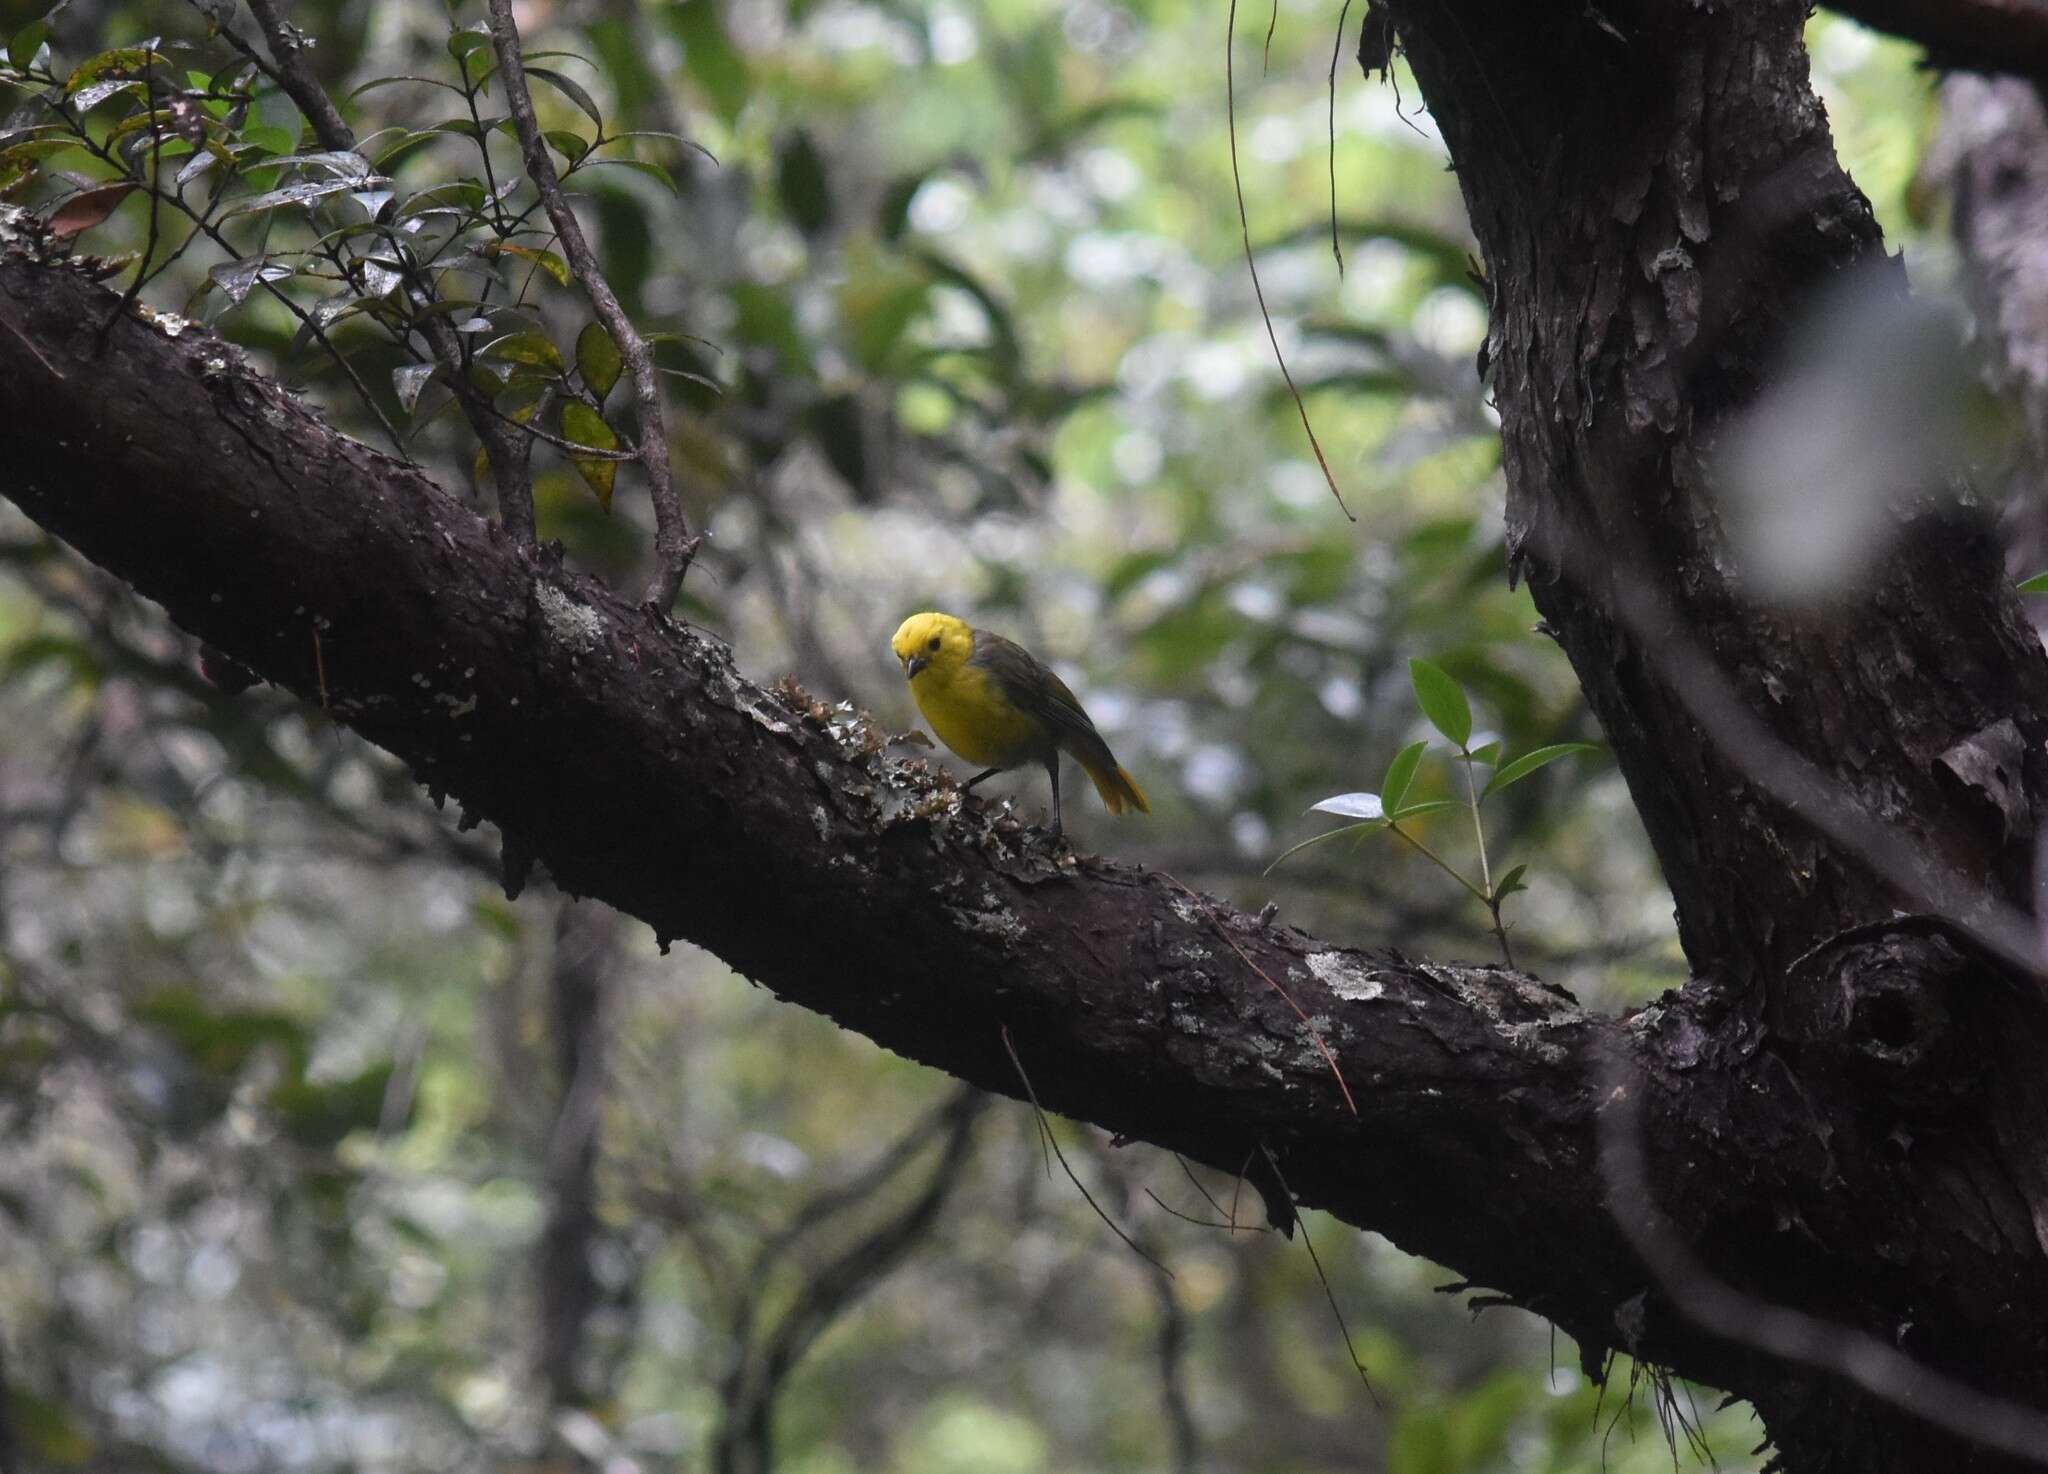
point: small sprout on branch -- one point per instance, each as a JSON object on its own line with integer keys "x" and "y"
{"x": 1444, "y": 703}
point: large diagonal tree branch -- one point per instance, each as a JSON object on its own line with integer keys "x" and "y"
{"x": 1660, "y": 212}
{"x": 644, "y": 769}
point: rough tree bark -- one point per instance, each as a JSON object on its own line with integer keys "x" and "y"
{"x": 1839, "y": 1114}
{"x": 1657, "y": 199}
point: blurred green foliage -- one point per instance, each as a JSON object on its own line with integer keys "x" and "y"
{"x": 957, "y": 318}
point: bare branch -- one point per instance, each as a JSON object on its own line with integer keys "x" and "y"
{"x": 288, "y": 47}
{"x": 743, "y": 1443}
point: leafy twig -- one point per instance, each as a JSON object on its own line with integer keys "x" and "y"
{"x": 674, "y": 546}
{"x": 506, "y": 452}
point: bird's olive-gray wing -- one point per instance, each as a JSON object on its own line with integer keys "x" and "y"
{"x": 1031, "y": 684}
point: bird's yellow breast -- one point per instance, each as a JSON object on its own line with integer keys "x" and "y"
{"x": 970, "y": 714}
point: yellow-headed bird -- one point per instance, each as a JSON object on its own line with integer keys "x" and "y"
{"x": 993, "y": 702}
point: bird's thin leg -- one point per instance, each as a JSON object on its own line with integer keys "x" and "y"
{"x": 1053, "y": 769}
{"x": 984, "y": 773}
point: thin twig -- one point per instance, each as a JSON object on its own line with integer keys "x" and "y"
{"x": 1244, "y": 226}
{"x": 1045, "y": 1135}
{"x": 674, "y": 546}
{"x": 1207, "y": 1196}
{"x": 1336, "y": 52}
{"x": 581, "y": 452}
{"x": 1492, "y": 897}
{"x": 127, "y": 303}
{"x": 1167, "y": 1207}
{"x": 1329, "y": 1293}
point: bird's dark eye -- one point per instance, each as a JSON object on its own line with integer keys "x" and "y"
{"x": 934, "y": 644}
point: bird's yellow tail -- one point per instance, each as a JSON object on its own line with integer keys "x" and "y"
{"x": 1117, "y": 790}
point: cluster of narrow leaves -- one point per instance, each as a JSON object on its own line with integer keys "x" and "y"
{"x": 1447, "y": 709}
{"x": 362, "y": 262}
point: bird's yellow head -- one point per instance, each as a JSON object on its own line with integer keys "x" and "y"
{"x": 936, "y": 641}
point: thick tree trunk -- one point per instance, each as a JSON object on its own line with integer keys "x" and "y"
{"x": 1838, "y": 1117}
{"x": 1657, "y": 199}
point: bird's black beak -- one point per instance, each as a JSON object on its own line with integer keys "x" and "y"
{"x": 912, "y": 666}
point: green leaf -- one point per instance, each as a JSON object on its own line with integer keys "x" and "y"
{"x": 267, "y": 141}
{"x": 468, "y": 39}
{"x": 2038, "y": 584}
{"x": 303, "y": 193}
{"x": 586, "y": 426}
{"x": 709, "y": 56}
{"x": 408, "y": 144}
{"x": 1351, "y": 806}
{"x": 879, "y": 308}
{"x": 1488, "y": 754}
{"x": 123, "y": 60}
{"x": 1401, "y": 773}
{"x": 801, "y": 182}
{"x": 408, "y": 380}
{"x": 375, "y": 82}
{"x": 1529, "y": 762}
{"x": 652, "y": 170}
{"x": 571, "y": 146}
{"x": 766, "y": 317}
{"x": 1367, "y": 826}
{"x": 1443, "y": 701}
{"x": 598, "y": 360}
{"x": 449, "y": 306}
{"x": 88, "y": 98}
{"x": 548, "y": 261}
{"x": 318, "y": 1116}
{"x": 48, "y": 1430}
{"x": 238, "y": 278}
{"x": 22, "y": 49}
{"x": 841, "y": 432}
{"x": 1510, "y": 883}
{"x": 676, "y": 138}
{"x": 345, "y": 162}
{"x": 892, "y": 215}
{"x": 1004, "y": 347}
{"x": 35, "y": 150}
{"x": 222, "y": 1041}
{"x": 574, "y": 91}
{"x": 536, "y": 349}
